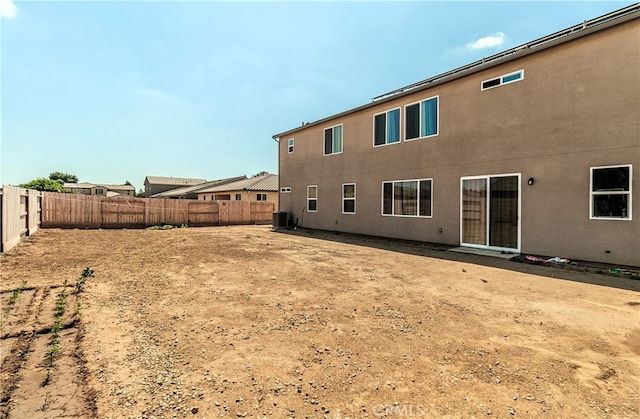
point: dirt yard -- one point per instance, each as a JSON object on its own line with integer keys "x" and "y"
{"x": 247, "y": 322}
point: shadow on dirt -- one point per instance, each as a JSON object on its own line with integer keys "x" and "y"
{"x": 584, "y": 272}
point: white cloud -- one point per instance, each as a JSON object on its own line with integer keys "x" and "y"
{"x": 492, "y": 41}
{"x": 8, "y": 8}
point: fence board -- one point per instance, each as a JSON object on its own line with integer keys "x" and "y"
{"x": 33, "y": 210}
{"x": 203, "y": 213}
{"x": 67, "y": 210}
{"x": 234, "y": 212}
{"x": 122, "y": 212}
{"x": 262, "y": 212}
{"x": 19, "y": 214}
{"x": 176, "y": 211}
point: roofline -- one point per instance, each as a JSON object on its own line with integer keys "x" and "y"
{"x": 567, "y": 35}
{"x": 257, "y": 180}
{"x": 196, "y": 188}
{"x": 172, "y": 178}
{"x": 89, "y": 185}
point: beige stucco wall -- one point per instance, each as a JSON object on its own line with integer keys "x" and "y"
{"x": 576, "y": 108}
{"x": 246, "y": 195}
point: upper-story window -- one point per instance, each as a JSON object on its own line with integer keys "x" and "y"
{"x": 333, "y": 140}
{"x": 386, "y": 127}
{"x": 611, "y": 192}
{"x": 499, "y": 81}
{"x": 421, "y": 119}
{"x": 290, "y": 145}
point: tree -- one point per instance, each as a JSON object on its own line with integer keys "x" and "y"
{"x": 128, "y": 183}
{"x": 44, "y": 184}
{"x": 64, "y": 177}
{"x": 139, "y": 194}
{"x": 260, "y": 174}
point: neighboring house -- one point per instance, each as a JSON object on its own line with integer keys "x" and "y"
{"x": 156, "y": 184}
{"x": 87, "y": 188}
{"x": 259, "y": 188}
{"x": 534, "y": 150}
{"x": 191, "y": 192}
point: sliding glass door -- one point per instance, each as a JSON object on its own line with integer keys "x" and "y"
{"x": 490, "y": 212}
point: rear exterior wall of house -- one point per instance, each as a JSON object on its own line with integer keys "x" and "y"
{"x": 571, "y": 108}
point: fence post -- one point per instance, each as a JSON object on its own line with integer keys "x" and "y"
{"x": 3, "y": 226}
{"x": 146, "y": 212}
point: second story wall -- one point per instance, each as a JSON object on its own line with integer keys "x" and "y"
{"x": 572, "y": 97}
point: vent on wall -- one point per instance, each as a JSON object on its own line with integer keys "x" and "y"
{"x": 499, "y": 81}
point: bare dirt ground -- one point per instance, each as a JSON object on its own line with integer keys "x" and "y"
{"x": 246, "y": 322}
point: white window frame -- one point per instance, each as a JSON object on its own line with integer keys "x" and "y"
{"x": 349, "y": 199}
{"x": 261, "y": 197}
{"x": 417, "y": 199}
{"x": 593, "y": 193}
{"x": 421, "y": 101}
{"x": 290, "y": 144}
{"x": 502, "y": 82}
{"x": 386, "y": 140}
{"x": 314, "y": 199}
{"x": 238, "y": 197}
{"x": 488, "y": 220}
{"x": 285, "y": 189}
{"x": 333, "y": 140}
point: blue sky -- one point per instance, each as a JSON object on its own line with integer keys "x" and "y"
{"x": 115, "y": 91}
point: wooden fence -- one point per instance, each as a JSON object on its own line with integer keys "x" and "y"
{"x": 84, "y": 211}
{"x": 20, "y": 214}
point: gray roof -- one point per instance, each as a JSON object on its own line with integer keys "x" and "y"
{"x": 78, "y": 185}
{"x": 267, "y": 182}
{"x": 185, "y": 190}
{"x": 577, "y": 31}
{"x": 100, "y": 185}
{"x": 120, "y": 187}
{"x": 179, "y": 181}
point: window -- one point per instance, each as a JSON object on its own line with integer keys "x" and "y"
{"x": 261, "y": 197}
{"x": 386, "y": 127}
{"x": 99, "y": 191}
{"x": 290, "y": 145}
{"x": 204, "y": 197}
{"x": 333, "y": 140}
{"x": 285, "y": 189}
{"x": 349, "y": 198}
{"x": 421, "y": 119}
{"x": 411, "y": 198}
{"x": 238, "y": 197}
{"x": 312, "y": 198}
{"x": 499, "y": 81}
{"x": 611, "y": 192}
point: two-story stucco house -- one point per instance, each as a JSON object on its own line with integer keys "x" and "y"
{"x": 533, "y": 150}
